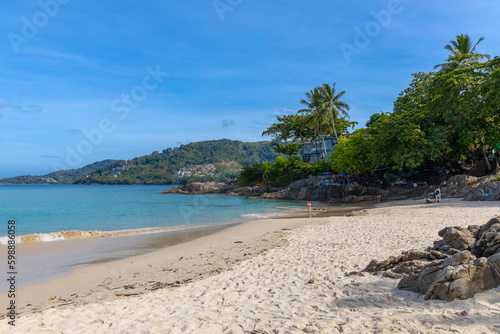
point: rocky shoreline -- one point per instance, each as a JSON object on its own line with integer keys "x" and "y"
{"x": 459, "y": 186}
{"x": 309, "y": 189}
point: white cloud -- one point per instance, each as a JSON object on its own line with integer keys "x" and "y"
{"x": 227, "y": 122}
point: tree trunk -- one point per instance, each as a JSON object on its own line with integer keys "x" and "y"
{"x": 332, "y": 116}
{"x": 324, "y": 146}
{"x": 335, "y": 131}
{"x": 486, "y": 159}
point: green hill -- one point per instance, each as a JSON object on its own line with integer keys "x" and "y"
{"x": 67, "y": 176}
{"x": 217, "y": 160}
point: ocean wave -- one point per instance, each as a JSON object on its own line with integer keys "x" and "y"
{"x": 260, "y": 215}
{"x": 78, "y": 234}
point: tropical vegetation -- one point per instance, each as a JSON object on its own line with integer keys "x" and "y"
{"x": 441, "y": 120}
{"x": 67, "y": 176}
{"x": 159, "y": 167}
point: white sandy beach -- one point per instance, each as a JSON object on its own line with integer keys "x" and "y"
{"x": 268, "y": 290}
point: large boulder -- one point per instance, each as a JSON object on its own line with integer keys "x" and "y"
{"x": 458, "y": 186}
{"x": 488, "y": 239}
{"x": 489, "y": 191}
{"x": 466, "y": 261}
{"x": 196, "y": 188}
{"x": 220, "y": 188}
{"x": 457, "y": 237}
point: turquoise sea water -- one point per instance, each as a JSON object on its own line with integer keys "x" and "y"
{"x": 49, "y": 209}
{"x": 147, "y": 220}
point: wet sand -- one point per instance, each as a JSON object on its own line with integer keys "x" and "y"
{"x": 42, "y": 261}
{"x": 268, "y": 276}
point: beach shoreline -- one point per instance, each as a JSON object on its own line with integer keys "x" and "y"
{"x": 269, "y": 263}
{"x": 78, "y": 249}
{"x": 60, "y": 284}
{"x": 43, "y": 261}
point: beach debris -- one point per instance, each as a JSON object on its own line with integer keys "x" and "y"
{"x": 311, "y": 281}
{"x": 181, "y": 258}
{"x": 465, "y": 313}
{"x": 238, "y": 242}
{"x": 128, "y": 294}
{"x": 131, "y": 286}
{"x": 465, "y": 262}
{"x": 52, "y": 298}
{"x": 107, "y": 282}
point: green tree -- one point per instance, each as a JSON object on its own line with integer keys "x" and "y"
{"x": 331, "y": 102}
{"x": 375, "y": 118}
{"x": 462, "y": 52}
{"x": 253, "y": 174}
{"x": 287, "y": 131}
{"x": 316, "y": 114}
{"x": 352, "y": 154}
{"x": 466, "y": 98}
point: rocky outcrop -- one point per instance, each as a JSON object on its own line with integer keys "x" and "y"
{"x": 197, "y": 188}
{"x": 459, "y": 186}
{"x": 466, "y": 261}
{"x": 227, "y": 188}
{"x": 489, "y": 191}
{"x": 315, "y": 189}
{"x": 310, "y": 189}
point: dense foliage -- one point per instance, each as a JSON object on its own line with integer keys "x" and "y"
{"x": 442, "y": 119}
{"x": 67, "y": 176}
{"x": 157, "y": 168}
{"x": 281, "y": 172}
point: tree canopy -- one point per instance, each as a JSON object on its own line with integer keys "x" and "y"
{"x": 441, "y": 117}
{"x": 462, "y": 52}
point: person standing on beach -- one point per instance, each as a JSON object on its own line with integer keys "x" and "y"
{"x": 309, "y": 205}
{"x": 437, "y": 194}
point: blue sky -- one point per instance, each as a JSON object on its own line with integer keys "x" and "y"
{"x": 83, "y": 81}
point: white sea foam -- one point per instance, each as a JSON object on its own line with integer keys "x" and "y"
{"x": 77, "y": 234}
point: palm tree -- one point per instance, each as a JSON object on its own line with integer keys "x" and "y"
{"x": 331, "y": 102}
{"x": 316, "y": 114}
{"x": 462, "y": 52}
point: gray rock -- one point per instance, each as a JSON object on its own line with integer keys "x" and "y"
{"x": 439, "y": 276}
{"x": 488, "y": 242}
{"x": 457, "y": 237}
{"x": 489, "y": 191}
{"x": 458, "y": 186}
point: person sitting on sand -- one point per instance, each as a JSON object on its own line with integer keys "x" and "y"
{"x": 428, "y": 201}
